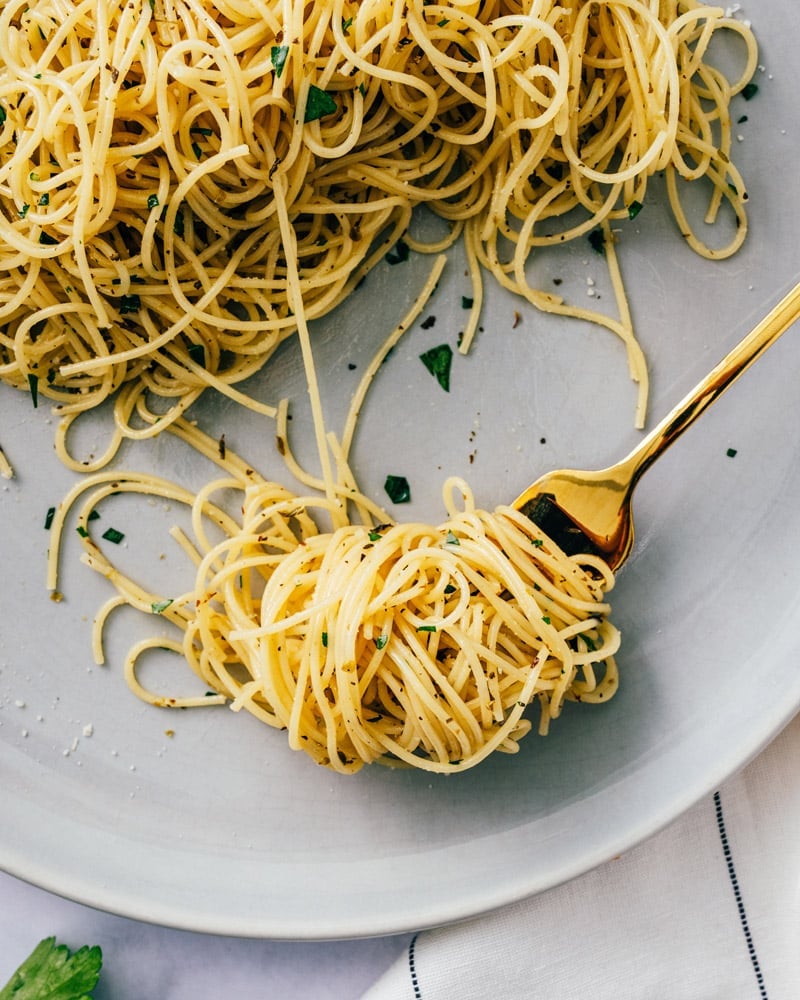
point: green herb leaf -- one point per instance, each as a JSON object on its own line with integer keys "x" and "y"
{"x": 152, "y": 201}
{"x": 450, "y": 589}
{"x": 130, "y": 303}
{"x": 319, "y": 104}
{"x": 399, "y": 254}
{"x": 2, "y": 115}
{"x": 451, "y": 539}
{"x": 749, "y": 90}
{"x": 278, "y": 54}
{"x": 52, "y": 972}
{"x": 112, "y": 535}
{"x": 426, "y": 628}
{"x": 48, "y": 518}
{"x": 374, "y": 536}
{"x": 634, "y": 208}
{"x": 325, "y": 639}
{"x": 33, "y": 385}
{"x": 82, "y": 531}
{"x": 346, "y": 25}
{"x": 198, "y": 152}
{"x": 47, "y": 240}
{"x": 24, "y": 210}
{"x": 546, "y": 619}
{"x": 398, "y": 489}
{"x": 159, "y": 607}
{"x": 381, "y": 641}
{"x": 597, "y": 241}
{"x": 466, "y": 303}
{"x": 731, "y": 453}
{"x": 44, "y": 199}
{"x": 438, "y": 361}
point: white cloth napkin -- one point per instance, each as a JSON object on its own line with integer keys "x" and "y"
{"x": 708, "y": 909}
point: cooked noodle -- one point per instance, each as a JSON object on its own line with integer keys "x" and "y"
{"x": 165, "y": 165}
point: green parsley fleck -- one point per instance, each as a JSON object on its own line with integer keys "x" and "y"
{"x": 399, "y": 254}
{"x": 749, "y": 91}
{"x": 398, "y": 489}
{"x": 537, "y": 542}
{"x": 279, "y": 54}
{"x": 48, "y": 518}
{"x": 426, "y": 628}
{"x": 451, "y": 539}
{"x": 318, "y": 104}
{"x": 597, "y": 241}
{"x": 731, "y": 452}
{"x": 130, "y": 303}
{"x": 450, "y": 589}
{"x": 33, "y": 385}
{"x": 346, "y": 25}
{"x": 325, "y": 639}
{"x": 438, "y": 361}
{"x": 82, "y": 531}
{"x": 466, "y": 302}
{"x": 546, "y": 619}
{"x": 634, "y": 208}
{"x": 24, "y": 210}
{"x": 381, "y": 641}
{"x": 375, "y": 536}
{"x": 112, "y": 535}
{"x": 2, "y": 115}
{"x": 152, "y": 201}
{"x": 159, "y": 607}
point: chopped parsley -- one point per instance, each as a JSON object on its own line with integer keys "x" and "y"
{"x": 731, "y": 453}
{"x": 381, "y": 641}
{"x": 325, "y": 639}
{"x": 112, "y": 535}
{"x": 279, "y": 54}
{"x": 159, "y": 607}
{"x": 319, "y": 104}
{"x": 597, "y": 241}
{"x": 426, "y": 628}
{"x": 130, "y": 303}
{"x": 33, "y": 385}
{"x": 398, "y": 489}
{"x": 749, "y": 90}
{"x": 438, "y": 361}
{"x": 450, "y": 589}
{"x": 451, "y": 539}
{"x": 152, "y": 201}
{"x": 346, "y": 25}
{"x": 399, "y": 254}
{"x": 634, "y": 208}
{"x": 374, "y": 536}
{"x": 466, "y": 302}
{"x": 48, "y": 518}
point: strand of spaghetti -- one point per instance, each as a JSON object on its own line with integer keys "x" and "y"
{"x": 358, "y": 397}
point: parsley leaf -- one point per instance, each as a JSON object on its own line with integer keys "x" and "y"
{"x": 398, "y": 489}
{"x": 319, "y": 104}
{"x": 278, "y": 54}
{"x": 51, "y": 972}
{"x": 438, "y": 361}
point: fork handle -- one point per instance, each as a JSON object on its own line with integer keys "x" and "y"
{"x": 748, "y": 350}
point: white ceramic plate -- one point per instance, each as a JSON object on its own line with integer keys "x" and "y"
{"x": 221, "y": 828}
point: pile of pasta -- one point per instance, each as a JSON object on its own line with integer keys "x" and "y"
{"x": 181, "y": 179}
{"x": 406, "y": 644}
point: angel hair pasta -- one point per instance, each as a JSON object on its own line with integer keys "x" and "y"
{"x": 180, "y": 179}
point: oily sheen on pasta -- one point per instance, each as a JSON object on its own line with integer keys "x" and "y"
{"x": 406, "y": 644}
{"x": 181, "y": 179}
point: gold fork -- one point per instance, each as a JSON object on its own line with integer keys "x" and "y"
{"x": 591, "y": 511}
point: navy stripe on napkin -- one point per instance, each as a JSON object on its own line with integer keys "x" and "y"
{"x": 737, "y": 895}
